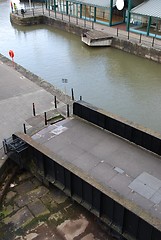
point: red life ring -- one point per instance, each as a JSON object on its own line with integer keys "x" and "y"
{"x": 11, "y": 53}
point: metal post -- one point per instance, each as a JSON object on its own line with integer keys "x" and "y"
{"x": 33, "y": 11}
{"x": 95, "y": 12}
{"x": 33, "y": 108}
{"x": 84, "y": 22}
{"x": 149, "y": 24}
{"x": 153, "y": 41}
{"x": 55, "y": 102}
{"x": 67, "y": 110}
{"x": 55, "y": 7}
{"x": 49, "y": 7}
{"x": 45, "y": 118}
{"x": 81, "y": 10}
{"x": 62, "y": 17}
{"x": 65, "y": 81}
{"x": 43, "y": 8}
{"x": 4, "y": 146}
{"x": 92, "y": 25}
{"x": 117, "y": 32}
{"x": 24, "y": 128}
{"x": 80, "y": 98}
{"x": 72, "y": 94}
{"x": 67, "y": 8}
{"x": 111, "y": 11}
{"x": 129, "y": 15}
{"x": 140, "y": 38}
{"x": 128, "y": 35}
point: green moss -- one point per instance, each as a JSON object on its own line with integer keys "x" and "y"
{"x": 55, "y": 119}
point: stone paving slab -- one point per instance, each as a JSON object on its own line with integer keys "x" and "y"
{"x": 38, "y": 192}
{"x": 10, "y": 195}
{"x": 24, "y": 187}
{"x": 10, "y": 209}
{"x": 72, "y": 229}
{"x": 20, "y": 219}
{"x": 38, "y": 209}
{"x": 21, "y": 201}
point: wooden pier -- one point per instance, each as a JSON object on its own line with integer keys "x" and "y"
{"x": 96, "y": 38}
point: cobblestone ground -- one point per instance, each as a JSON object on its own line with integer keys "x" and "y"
{"x": 32, "y": 211}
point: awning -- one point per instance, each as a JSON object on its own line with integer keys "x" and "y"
{"x": 148, "y": 8}
{"x": 96, "y": 3}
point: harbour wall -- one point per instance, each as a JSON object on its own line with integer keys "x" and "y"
{"x": 125, "y": 45}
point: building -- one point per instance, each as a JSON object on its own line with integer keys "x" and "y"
{"x": 104, "y": 12}
{"x": 146, "y": 18}
{"x": 138, "y": 15}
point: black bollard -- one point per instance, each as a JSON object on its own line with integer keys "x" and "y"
{"x": 153, "y": 41}
{"x": 24, "y": 128}
{"x": 67, "y": 110}
{"x": 140, "y": 38}
{"x": 55, "y": 102}
{"x": 45, "y": 118}
{"x": 4, "y": 146}
{"x": 33, "y": 107}
{"x": 92, "y": 25}
{"x": 80, "y": 98}
{"x": 72, "y": 94}
{"x": 43, "y": 8}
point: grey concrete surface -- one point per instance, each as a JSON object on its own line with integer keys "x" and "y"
{"x": 17, "y": 94}
{"x": 130, "y": 171}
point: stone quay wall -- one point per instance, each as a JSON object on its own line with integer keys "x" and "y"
{"x": 137, "y": 49}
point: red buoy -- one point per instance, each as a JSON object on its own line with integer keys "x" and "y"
{"x": 11, "y": 53}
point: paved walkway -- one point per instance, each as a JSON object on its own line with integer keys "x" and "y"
{"x": 17, "y": 95}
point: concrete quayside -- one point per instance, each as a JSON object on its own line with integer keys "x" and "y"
{"x": 116, "y": 180}
{"x": 29, "y": 209}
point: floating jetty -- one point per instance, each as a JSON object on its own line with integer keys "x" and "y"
{"x": 96, "y": 38}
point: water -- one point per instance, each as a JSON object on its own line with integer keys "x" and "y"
{"x": 116, "y": 81}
